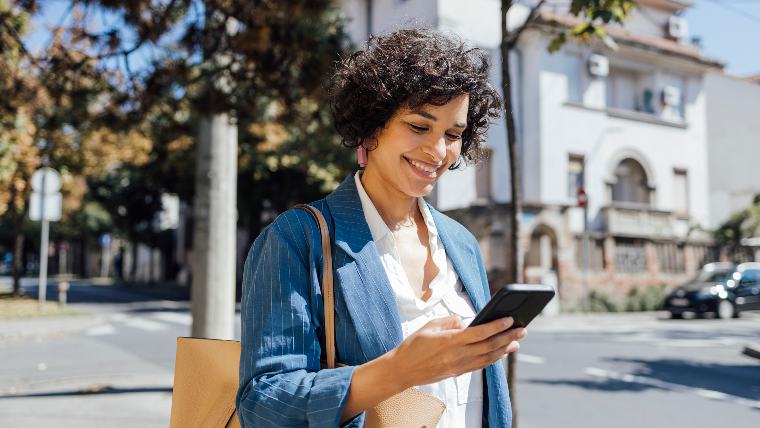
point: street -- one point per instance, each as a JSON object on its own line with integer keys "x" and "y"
{"x": 114, "y": 367}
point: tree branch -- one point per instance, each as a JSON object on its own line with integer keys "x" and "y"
{"x": 514, "y": 37}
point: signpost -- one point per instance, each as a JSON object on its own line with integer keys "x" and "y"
{"x": 45, "y": 207}
{"x": 583, "y": 203}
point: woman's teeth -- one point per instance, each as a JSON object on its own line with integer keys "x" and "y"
{"x": 425, "y": 168}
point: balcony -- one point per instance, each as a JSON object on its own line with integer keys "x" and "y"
{"x": 639, "y": 221}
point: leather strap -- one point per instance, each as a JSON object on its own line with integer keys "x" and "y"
{"x": 327, "y": 283}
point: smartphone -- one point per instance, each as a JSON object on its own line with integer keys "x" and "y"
{"x": 523, "y": 302}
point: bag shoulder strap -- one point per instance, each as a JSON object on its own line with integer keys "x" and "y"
{"x": 327, "y": 283}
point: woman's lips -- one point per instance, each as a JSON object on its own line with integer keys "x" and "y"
{"x": 422, "y": 169}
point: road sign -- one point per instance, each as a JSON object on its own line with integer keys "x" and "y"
{"x": 582, "y": 197}
{"x": 52, "y": 207}
{"x": 47, "y": 178}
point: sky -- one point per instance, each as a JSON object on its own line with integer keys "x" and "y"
{"x": 730, "y": 32}
{"x": 729, "y": 29}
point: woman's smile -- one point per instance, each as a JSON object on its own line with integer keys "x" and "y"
{"x": 422, "y": 169}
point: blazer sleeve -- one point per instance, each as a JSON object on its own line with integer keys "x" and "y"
{"x": 281, "y": 384}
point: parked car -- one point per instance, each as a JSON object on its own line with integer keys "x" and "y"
{"x": 714, "y": 290}
{"x": 746, "y": 287}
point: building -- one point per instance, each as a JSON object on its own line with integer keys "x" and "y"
{"x": 629, "y": 126}
{"x": 734, "y": 134}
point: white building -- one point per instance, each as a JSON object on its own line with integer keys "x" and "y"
{"x": 733, "y": 129}
{"x": 628, "y": 125}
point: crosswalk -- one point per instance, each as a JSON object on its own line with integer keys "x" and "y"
{"x": 149, "y": 321}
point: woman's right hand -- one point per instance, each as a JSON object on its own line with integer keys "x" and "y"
{"x": 443, "y": 348}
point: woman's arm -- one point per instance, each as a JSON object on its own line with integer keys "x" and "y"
{"x": 372, "y": 383}
{"x": 281, "y": 384}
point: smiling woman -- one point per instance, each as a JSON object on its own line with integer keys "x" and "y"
{"x": 408, "y": 279}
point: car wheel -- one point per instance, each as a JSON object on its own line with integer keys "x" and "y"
{"x": 725, "y": 310}
{"x": 675, "y": 316}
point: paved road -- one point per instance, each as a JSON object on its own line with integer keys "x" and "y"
{"x": 639, "y": 371}
{"x": 114, "y": 368}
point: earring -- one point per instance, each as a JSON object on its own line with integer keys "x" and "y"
{"x": 361, "y": 155}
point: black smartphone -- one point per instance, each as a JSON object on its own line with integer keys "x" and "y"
{"x": 519, "y": 301}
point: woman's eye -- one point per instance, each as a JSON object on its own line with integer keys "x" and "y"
{"x": 454, "y": 136}
{"x": 416, "y": 128}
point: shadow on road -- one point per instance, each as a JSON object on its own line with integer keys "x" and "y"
{"x": 86, "y": 293}
{"x": 101, "y": 390}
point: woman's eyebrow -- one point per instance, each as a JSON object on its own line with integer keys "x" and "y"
{"x": 427, "y": 115}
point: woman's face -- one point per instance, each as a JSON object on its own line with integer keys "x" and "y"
{"x": 418, "y": 145}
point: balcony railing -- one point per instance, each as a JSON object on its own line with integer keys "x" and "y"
{"x": 638, "y": 221}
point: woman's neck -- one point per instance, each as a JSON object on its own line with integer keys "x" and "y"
{"x": 396, "y": 208}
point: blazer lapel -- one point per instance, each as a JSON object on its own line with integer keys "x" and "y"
{"x": 361, "y": 277}
{"x": 463, "y": 260}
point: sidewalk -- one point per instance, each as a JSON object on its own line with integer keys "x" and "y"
{"x": 46, "y": 327}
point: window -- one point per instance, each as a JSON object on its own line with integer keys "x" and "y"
{"x": 630, "y": 256}
{"x": 670, "y": 257}
{"x": 631, "y": 90}
{"x": 631, "y": 184}
{"x": 575, "y": 175}
{"x": 681, "y": 193}
{"x": 750, "y": 277}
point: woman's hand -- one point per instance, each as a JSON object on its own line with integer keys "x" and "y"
{"x": 440, "y": 349}
{"x": 444, "y": 348}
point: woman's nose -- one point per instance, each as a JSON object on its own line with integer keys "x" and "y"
{"x": 438, "y": 149}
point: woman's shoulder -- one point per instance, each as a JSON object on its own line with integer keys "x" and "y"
{"x": 293, "y": 228}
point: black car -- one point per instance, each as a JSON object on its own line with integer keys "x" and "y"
{"x": 746, "y": 288}
{"x": 720, "y": 288}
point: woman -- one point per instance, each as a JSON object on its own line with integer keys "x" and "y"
{"x": 408, "y": 279}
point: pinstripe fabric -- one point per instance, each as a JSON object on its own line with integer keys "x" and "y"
{"x": 281, "y": 383}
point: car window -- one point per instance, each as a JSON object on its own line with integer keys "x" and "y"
{"x": 750, "y": 277}
{"x": 713, "y": 276}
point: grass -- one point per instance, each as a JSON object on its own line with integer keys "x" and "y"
{"x": 27, "y": 307}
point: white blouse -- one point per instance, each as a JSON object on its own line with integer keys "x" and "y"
{"x": 463, "y": 395}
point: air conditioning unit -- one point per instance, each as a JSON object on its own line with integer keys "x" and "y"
{"x": 671, "y": 96}
{"x": 678, "y": 28}
{"x": 598, "y": 65}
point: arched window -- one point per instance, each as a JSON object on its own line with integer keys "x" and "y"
{"x": 631, "y": 184}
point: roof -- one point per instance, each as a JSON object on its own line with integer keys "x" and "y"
{"x": 661, "y": 44}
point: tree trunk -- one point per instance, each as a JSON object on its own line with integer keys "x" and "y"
{"x": 513, "y": 255}
{"x": 18, "y": 253}
{"x": 214, "y": 236}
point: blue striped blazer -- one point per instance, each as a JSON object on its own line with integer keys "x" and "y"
{"x": 281, "y": 384}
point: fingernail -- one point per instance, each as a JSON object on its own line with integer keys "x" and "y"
{"x": 507, "y": 321}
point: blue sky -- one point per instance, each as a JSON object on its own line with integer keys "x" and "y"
{"x": 730, "y": 32}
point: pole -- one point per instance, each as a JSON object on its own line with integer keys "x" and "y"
{"x": 215, "y": 219}
{"x": 43, "y": 247}
{"x": 585, "y": 303}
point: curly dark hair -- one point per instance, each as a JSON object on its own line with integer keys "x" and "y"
{"x": 410, "y": 68}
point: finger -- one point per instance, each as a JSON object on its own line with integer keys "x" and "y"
{"x": 499, "y": 353}
{"x": 451, "y": 322}
{"x": 484, "y": 331}
{"x": 497, "y": 341}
